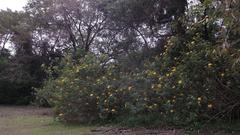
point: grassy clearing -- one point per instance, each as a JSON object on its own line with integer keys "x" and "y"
{"x": 39, "y": 121}
{"x": 38, "y": 125}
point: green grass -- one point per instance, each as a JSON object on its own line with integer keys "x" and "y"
{"x": 43, "y": 125}
{"x": 33, "y": 125}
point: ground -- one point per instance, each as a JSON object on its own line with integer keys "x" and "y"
{"x": 39, "y": 121}
{"x": 34, "y": 121}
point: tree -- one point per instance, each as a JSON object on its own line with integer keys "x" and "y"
{"x": 21, "y": 68}
{"x": 79, "y": 22}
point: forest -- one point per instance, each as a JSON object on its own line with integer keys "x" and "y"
{"x": 133, "y": 62}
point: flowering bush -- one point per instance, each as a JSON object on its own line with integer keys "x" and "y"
{"x": 194, "y": 79}
{"x": 182, "y": 89}
{"x": 87, "y": 91}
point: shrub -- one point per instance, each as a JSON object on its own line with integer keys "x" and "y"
{"x": 184, "y": 86}
{"x": 195, "y": 79}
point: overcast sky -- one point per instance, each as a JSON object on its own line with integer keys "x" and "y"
{"x": 13, "y": 4}
{"x": 19, "y": 4}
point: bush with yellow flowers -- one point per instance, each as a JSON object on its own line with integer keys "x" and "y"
{"x": 87, "y": 90}
{"x": 200, "y": 75}
{"x": 74, "y": 94}
{"x": 195, "y": 79}
{"x": 189, "y": 83}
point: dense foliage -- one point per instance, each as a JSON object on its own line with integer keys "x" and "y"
{"x": 194, "y": 79}
{"x": 143, "y": 62}
{"x": 20, "y": 59}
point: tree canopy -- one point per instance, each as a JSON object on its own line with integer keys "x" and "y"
{"x": 166, "y": 61}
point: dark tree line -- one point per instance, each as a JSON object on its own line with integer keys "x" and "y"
{"x": 127, "y": 31}
{"x": 49, "y": 29}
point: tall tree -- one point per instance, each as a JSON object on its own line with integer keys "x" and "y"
{"x": 79, "y": 22}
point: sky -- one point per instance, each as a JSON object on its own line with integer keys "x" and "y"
{"x": 19, "y": 4}
{"x": 13, "y": 4}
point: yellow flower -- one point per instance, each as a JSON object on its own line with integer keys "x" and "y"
{"x": 222, "y": 74}
{"x": 171, "y": 111}
{"x": 130, "y": 88}
{"x": 167, "y": 75}
{"x": 63, "y": 80}
{"x": 180, "y": 82}
{"x": 61, "y": 114}
{"x": 151, "y": 73}
{"x": 113, "y": 110}
{"x": 210, "y": 106}
{"x": 154, "y": 73}
{"x": 199, "y": 99}
{"x": 210, "y": 65}
{"x": 91, "y": 95}
{"x": 159, "y": 85}
{"x": 174, "y": 69}
{"x": 108, "y": 86}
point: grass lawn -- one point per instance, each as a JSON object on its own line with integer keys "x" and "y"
{"x": 38, "y": 125}
{"x": 35, "y": 121}
{"x": 39, "y": 121}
